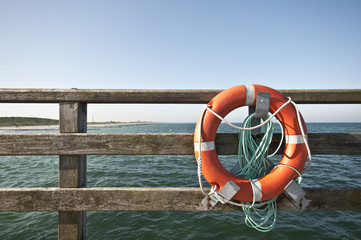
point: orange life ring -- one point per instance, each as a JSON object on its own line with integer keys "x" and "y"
{"x": 294, "y": 155}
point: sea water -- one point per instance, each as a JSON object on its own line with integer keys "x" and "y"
{"x": 176, "y": 171}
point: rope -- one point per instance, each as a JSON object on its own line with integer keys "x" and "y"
{"x": 299, "y": 179}
{"x": 304, "y": 138}
{"x": 199, "y": 169}
{"x": 263, "y": 215}
{"x": 252, "y": 158}
{"x": 249, "y": 151}
{"x": 248, "y": 128}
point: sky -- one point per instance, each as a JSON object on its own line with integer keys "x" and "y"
{"x": 162, "y": 44}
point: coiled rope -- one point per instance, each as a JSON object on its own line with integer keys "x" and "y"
{"x": 252, "y": 159}
{"x": 253, "y": 164}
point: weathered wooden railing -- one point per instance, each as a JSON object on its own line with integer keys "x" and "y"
{"x": 72, "y": 198}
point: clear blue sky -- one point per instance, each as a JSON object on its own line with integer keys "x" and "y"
{"x": 179, "y": 44}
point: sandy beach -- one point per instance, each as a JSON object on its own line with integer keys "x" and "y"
{"x": 39, "y": 127}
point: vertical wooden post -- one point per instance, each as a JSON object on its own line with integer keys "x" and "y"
{"x": 72, "y": 169}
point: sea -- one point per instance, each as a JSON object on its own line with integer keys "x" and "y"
{"x": 331, "y": 171}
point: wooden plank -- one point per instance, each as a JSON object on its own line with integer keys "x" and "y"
{"x": 155, "y": 144}
{"x": 301, "y": 96}
{"x": 106, "y": 95}
{"x": 320, "y": 143}
{"x": 154, "y": 199}
{"x": 324, "y": 96}
{"x": 72, "y": 169}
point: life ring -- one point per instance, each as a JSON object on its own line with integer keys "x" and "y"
{"x": 294, "y": 155}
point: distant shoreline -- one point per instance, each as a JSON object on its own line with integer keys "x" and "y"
{"x": 38, "y": 127}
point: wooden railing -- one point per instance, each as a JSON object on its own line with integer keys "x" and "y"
{"x": 72, "y": 198}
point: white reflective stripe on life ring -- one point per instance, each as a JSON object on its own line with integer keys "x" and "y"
{"x": 257, "y": 189}
{"x": 249, "y": 95}
{"x": 295, "y": 139}
{"x": 205, "y": 146}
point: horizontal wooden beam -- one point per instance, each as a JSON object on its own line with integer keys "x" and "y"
{"x": 155, "y": 144}
{"x": 302, "y": 96}
{"x": 153, "y": 199}
{"x": 96, "y": 144}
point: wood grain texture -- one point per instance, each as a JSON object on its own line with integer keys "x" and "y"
{"x": 154, "y": 199}
{"x": 304, "y": 96}
{"x": 72, "y": 169}
{"x": 71, "y": 225}
{"x": 73, "y": 117}
{"x": 155, "y": 144}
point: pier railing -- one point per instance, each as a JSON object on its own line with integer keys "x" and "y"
{"x": 72, "y": 198}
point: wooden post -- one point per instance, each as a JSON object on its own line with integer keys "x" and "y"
{"x": 72, "y": 169}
